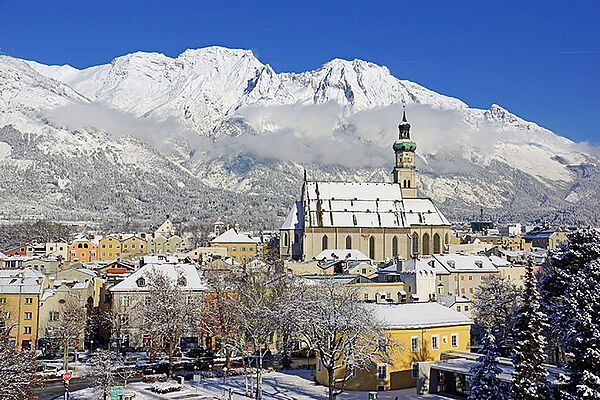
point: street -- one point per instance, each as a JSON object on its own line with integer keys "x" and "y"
{"x": 54, "y": 389}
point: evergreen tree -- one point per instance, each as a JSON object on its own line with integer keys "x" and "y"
{"x": 571, "y": 288}
{"x": 485, "y": 384}
{"x": 529, "y": 380}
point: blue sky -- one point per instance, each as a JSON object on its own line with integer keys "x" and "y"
{"x": 540, "y": 60}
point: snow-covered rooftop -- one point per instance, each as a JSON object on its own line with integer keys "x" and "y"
{"x": 232, "y": 236}
{"x": 25, "y": 281}
{"x": 416, "y": 315}
{"x": 352, "y": 204}
{"x": 193, "y": 281}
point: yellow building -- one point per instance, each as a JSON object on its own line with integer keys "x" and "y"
{"x": 20, "y": 293}
{"x": 419, "y": 332}
{"x": 109, "y": 248}
{"x": 133, "y": 244}
{"x": 82, "y": 250}
{"x": 239, "y": 246}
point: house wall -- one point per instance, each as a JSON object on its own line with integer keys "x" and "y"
{"x": 241, "y": 252}
{"x": 399, "y": 374}
{"x": 18, "y": 320}
{"x": 466, "y": 283}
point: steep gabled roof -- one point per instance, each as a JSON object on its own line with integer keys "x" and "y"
{"x": 380, "y": 205}
{"x": 232, "y": 236}
{"x": 295, "y": 218}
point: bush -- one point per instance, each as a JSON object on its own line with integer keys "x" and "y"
{"x": 166, "y": 387}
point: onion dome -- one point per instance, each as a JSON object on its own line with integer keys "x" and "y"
{"x": 404, "y": 145}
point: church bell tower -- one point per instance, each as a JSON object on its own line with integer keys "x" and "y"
{"x": 405, "y": 173}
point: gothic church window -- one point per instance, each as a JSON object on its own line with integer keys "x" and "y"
{"x": 425, "y": 243}
{"x": 394, "y": 246}
{"x": 436, "y": 244}
{"x": 372, "y": 248}
{"x": 415, "y": 243}
{"x": 324, "y": 242}
{"x": 348, "y": 242}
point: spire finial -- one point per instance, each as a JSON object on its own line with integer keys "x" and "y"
{"x": 404, "y": 112}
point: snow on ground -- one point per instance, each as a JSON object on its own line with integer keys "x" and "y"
{"x": 292, "y": 385}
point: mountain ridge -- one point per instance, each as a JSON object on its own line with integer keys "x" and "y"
{"x": 234, "y": 125}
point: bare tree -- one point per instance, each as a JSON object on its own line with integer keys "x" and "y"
{"x": 258, "y": 317}
{"x": 495, "y": 305}
{"x": 69, "y": 330}
{"x": 17, "y": 368}
{"x": 220, "y": 317}
{"x": 165, "y": 314}
{"x": 101, "y": 371}
{"x": 344, "y": 333}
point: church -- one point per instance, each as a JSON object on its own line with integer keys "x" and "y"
{"x": 381, "y": 219}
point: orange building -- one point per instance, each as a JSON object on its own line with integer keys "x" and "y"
{"x": 82, "y": 250}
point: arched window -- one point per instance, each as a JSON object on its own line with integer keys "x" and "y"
{"x": 296, "y": 238}
{"x": 415, "y": 243}
{"x": 348, "y": 242}
{"x": 372, "y": 248}
{"x": 408, "y": 183}
{"x": 404, "y": 183}
{"x": 425, "y": 243}
{"x": 394, "y": 246}
{"x": 446, "y": 239}
{"x": 324, "y": 242}
{"x": 141, "y": 282}
{"x": 79, "y": 246}
{"x": 85, "y": 246}
{"x": 436, "y": 244}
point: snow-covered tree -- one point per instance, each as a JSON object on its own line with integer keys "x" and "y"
{"x": 495, "y": 304}
{"x": 166, "y": 313}
{"x": 485, "y": 383}
{"x": 344, "y": 333}
{"x": 570, "y": 284}
{"x": 529, "y": 379}
{"x": 101, "y": 371}
{"x": 18, "y": 369}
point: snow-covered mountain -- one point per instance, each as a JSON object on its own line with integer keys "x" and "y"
{"x": 215, "y": 124}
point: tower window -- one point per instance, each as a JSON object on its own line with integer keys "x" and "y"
{"x": 408, "y": 183}
{"x": 394, "y": 246}
{"x": 348, "y": 242}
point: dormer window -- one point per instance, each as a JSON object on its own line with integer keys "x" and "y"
{"x": 479, "y": 264}
{"x": 182, "y": 281}
{"x": 141, "y": 282}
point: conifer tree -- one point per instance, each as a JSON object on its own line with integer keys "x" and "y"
{"x": 570, "y": 286}
{"x": 485, "y": 383}
{"x": 529, "y": 380}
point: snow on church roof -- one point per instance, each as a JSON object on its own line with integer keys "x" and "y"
{"x": 350, "y": 204}
{"x": 295, "y": 218}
